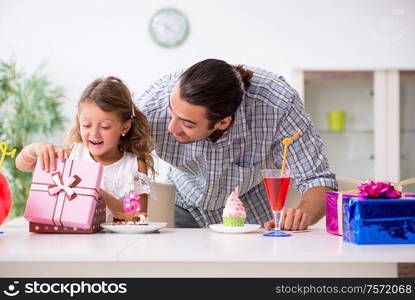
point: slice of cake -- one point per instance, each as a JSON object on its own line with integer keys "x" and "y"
{"x": 132, "y": 215}
{"x": 132, "y": 218}
{"x": 234, "y": 213}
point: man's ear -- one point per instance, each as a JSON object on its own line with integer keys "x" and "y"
{"x": 126, "y": 126}
{"x": 224, "y": 123}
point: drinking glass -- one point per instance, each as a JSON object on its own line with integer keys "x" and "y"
{"x": 276, "y": 186}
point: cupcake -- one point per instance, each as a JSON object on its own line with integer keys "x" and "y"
{"x": 234, "y": 212}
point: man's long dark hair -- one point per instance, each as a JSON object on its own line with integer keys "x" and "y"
{"x": 216, "y": 85}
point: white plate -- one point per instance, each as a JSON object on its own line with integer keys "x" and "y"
{"x": 234, "y": 229}
{"x": 151, "y": 227}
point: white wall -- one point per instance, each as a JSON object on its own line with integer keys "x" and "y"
{"x": 82, "y": 40}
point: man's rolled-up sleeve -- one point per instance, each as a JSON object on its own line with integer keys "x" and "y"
{"x": 306, "y": 155}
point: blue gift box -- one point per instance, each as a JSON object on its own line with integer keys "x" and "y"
{"x": 379, "y": 221}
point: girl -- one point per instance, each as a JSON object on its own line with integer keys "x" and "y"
{"x": 109, "y": 129}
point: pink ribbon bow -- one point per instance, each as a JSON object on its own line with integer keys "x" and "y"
{"x": 64, "y": 186}
{"x": 372, "y": 189}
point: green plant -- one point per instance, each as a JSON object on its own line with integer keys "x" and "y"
{"x": 29, "y": 105}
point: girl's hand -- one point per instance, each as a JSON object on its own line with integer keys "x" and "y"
{"x": 114, "y": 205}
{"x": 46, "y": 154}
{"x": 102, "y": 194}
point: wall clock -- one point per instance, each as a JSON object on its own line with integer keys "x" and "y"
{"x": 169, "y": 27}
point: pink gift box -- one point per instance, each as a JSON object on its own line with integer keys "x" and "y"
{"x": 334, "y": 218}
{"x": 66, "y": 197}
{"x": 334, "y": 215}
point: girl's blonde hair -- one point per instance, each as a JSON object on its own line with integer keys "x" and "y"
{"x": 111, "y": 95}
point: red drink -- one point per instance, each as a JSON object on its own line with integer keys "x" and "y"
{"x": 277, "y": 189}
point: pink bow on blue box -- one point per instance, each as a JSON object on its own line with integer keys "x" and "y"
{"x": 380, "y": 214}
{"x": 372, "y": 189}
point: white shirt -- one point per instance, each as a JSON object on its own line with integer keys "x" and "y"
{"x": 118, "y": 177}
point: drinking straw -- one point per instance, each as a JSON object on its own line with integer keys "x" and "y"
{"x": 3, "y": 150}
{"x": 286, "y": 142}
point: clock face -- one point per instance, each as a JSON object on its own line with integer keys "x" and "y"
{"x": 169, "y": 27}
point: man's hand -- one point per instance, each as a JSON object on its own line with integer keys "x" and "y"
{"x": 291, "y": 219}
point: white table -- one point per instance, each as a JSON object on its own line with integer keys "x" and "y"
{"x": 194, "y": 253}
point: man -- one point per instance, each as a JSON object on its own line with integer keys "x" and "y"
{"x": 218, "y": 125}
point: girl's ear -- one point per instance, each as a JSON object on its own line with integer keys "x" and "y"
{"x": 126, "y": 127}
